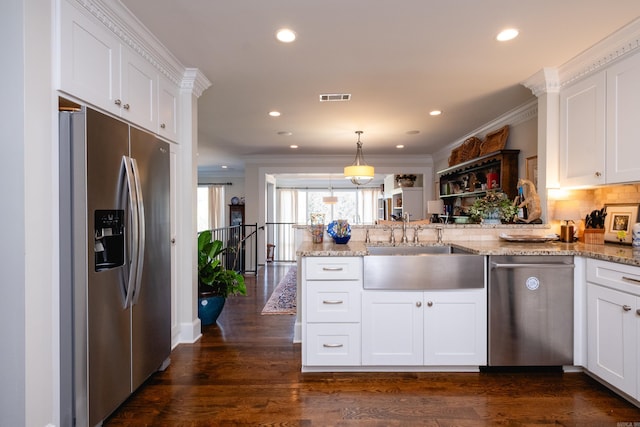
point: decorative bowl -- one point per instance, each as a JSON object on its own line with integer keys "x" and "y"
{"x": 334, "y": 227}
{"x": 341, "y": 240}
{"x": 406, "y": 182}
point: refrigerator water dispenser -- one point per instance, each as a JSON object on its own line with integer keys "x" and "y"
{"x": 109, "y": 239}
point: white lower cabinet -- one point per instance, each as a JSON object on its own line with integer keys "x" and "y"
{"x": 392, "y": 328}
{"x": 613, "y": 325}
{"x": 331, "y": 311}
{"x": 440, "y": 328}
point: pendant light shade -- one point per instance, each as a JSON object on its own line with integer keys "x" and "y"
{"x": 359, "y": 172}
{"x": 330, "y": 200}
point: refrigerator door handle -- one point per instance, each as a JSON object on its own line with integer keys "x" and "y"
{"x": 133, "y": 234}
{"x": 141, "y": 231}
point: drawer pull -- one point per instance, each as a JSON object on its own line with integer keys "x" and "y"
{"x": 331, "y": 268}
{"x": 630, "y": 279}
{"x": 332, "y": 345}
{"x": 626, "y": 307}
{"x": 332, "y": 301}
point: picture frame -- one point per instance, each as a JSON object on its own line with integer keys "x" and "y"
{"x": 620, "y": 217}
{"x": 531, "y": 171}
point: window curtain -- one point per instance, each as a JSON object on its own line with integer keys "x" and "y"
{"x": 368, "y": 205}
{"x": 216, "y": 207}
{"x": 287, "y": 211}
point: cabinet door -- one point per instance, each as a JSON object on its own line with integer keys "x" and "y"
{"x": 392, "y": 328}
{"x": 455, "y": 328}
{"x": 623, "y": 132}
{"x": 139, "y": 88}
{"x": 582, "y": 132}
{"x": 167, "y": 109}
{"x": 89, "y": 56}
{"x": 412, "y": 203}
{"x": 611, "y": 337}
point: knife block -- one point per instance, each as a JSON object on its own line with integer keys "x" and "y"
{"x": 593, "y": 236}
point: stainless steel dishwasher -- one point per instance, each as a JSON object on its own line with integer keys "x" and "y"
{"x": 531, "y": 310}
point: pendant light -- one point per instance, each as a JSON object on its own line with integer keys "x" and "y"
{"x": 330, "y": 200}
{"x": 359, "y": 172}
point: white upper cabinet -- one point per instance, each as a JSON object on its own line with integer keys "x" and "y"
{"x": 599, "y": 130}
{"x": 582, "y": 133}
{"x": 89, "y": 60}
{"x": 100, "y": 69}
{"x": 167, "y": 109}
{"x": 623, "y": 125}
{"x": 139, "y": 86}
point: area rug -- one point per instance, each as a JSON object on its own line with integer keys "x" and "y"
{"x": 283, "y": 298}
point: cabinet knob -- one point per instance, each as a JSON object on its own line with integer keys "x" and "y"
{"x": 125, "y": 106}
{"x": 418, "y": 303}
{"x": 162, "y": 126}
{"x": 638, "y": 312}
{"x": 598, "y": 174}
{"x": 117, "y": 102}
{"x": 173, "y": 241}
{"x": 430, "y": 304}
{"x": 626, "y": 307}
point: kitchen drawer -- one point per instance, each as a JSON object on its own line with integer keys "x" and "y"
{"x": 333, "y": 268}
{"x": 622, "y": 277}
{"x": 333, "y": 344}
{"x": 332, "y": 301}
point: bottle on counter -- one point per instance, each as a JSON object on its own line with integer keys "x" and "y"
{"x": 522, "y": 210}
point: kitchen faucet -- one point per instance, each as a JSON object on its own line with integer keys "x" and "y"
{"x": 405, "y": 221}
{"x": 439, "y": 229}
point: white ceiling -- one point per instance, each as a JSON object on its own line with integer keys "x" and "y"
{"x": 398, "y": 59}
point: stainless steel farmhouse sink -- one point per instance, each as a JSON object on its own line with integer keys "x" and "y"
{"x": 422, "y": 268}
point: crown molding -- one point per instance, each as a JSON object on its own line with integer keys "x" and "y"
{"x": 119, "y": 21}
{"x": 546, "y": 80}
{"x": 521, "y": 114}
{"x": 619, "y": 44}
{"x": 194, "y": 81}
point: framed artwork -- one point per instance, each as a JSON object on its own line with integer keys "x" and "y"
{"x": 532, "y": 170}
{"x": 618, "y": 222}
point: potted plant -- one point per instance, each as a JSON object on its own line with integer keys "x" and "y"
{"x": 215, "y": 282}
{"x": 494, "y": 208}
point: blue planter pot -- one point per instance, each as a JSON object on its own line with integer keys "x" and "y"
{"x": 209, "y": 308}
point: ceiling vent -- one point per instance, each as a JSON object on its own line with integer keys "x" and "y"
{"x": 331, "y": 97}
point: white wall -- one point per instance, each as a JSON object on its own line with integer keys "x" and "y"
{"x": 12, "y": 244}
{"x": 28, "y": 168}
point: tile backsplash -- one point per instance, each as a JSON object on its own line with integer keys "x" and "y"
{"x": 589, "y": 200}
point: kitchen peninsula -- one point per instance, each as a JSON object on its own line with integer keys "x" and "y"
{"x": 343, "y": 322}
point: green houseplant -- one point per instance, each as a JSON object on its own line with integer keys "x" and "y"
{"x": 494, "y": 208}
{"x": 215, "y": 282}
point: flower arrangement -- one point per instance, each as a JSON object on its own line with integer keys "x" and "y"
{"x": 494, "y": 202}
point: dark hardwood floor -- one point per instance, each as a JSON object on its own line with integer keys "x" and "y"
{"x": 246, "y": 371}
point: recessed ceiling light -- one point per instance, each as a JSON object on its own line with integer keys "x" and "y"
{"x": 224, "y": 166}
{"x": 285, "y": 35}
{"x": 285, "y": 133}
{"x": 293, "y": 146}
{"x": 506, "y": 35}
{"x": 435, "y": 113}
{"x": 399, "y": 146}
{"x": 274, "y": 113}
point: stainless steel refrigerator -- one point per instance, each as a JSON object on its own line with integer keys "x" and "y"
{"x": 115, "y": 263}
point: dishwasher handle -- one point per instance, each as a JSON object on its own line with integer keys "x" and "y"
{"x": 496, "y": 265}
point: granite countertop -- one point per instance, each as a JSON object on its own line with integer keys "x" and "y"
{"x": 608, "y": 252}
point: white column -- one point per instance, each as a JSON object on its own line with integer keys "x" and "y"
{"x": 545, "y": 85}
{"x": 193, "y": 84}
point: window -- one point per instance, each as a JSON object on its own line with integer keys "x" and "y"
{"x": 210, "y": 207}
